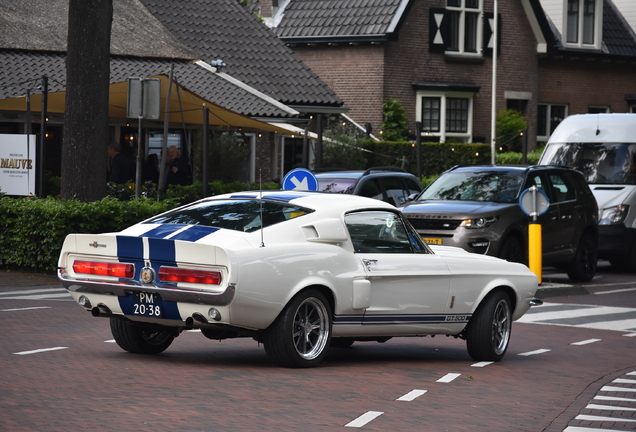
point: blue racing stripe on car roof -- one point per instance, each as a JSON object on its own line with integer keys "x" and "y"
{"x": 163, "y": 230}
{"x": 160, "y": 249}
{"x": 130, "y": 247}
{"x": 244, "y": 196}
{"x": 194, "y": 233}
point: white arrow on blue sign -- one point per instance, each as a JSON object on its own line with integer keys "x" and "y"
{"x": 300, "y": 179}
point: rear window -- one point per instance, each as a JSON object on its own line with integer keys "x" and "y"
{"x": 610, "y": 163}
{"x": 237, "y": 215}
{"x": 336, "y": 185}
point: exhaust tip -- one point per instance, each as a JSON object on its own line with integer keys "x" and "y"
{"x": 101, "y": 310}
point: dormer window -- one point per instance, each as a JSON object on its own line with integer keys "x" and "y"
{"x": 583, "y": 23}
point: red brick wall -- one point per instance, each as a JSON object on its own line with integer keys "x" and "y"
{"x": 580, "y": 83}
{"x": 355, "y": 73}
{"x": 365, "y": 76}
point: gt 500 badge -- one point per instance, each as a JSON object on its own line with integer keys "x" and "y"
{"x": 456, "y": 318}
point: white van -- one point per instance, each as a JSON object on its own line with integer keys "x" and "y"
{"x": 603, "y": 148}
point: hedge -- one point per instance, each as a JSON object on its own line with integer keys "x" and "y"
{"x": 33, "y": 230}
{"x": 436, "y": 157}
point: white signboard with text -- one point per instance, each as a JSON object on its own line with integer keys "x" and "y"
{"x": 17, "y": 164}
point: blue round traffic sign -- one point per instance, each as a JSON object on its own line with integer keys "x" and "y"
{"x": 300, "y": 179}
{"x": 534, "y": 203}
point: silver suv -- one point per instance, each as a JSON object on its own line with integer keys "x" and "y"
{"x": 477, "y": 208}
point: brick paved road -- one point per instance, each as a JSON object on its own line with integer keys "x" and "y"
{"x": 197, "y": 384}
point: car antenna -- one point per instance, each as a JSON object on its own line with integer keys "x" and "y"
{"x": 260, "y": 187}
{"x": 598, "y": 130}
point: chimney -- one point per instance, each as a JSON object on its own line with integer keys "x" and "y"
{"x": 268, "y": 8}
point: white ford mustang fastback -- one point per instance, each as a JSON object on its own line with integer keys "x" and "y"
{"x": 321, "y": 270}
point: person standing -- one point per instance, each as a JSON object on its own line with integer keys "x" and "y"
{"x": 178, "y": 168}
{"x": 121, "y": 168}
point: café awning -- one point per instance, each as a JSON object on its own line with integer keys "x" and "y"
{"x": 185, "y": 106}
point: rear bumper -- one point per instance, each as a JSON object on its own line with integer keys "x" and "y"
{"x": 170, "y": 293}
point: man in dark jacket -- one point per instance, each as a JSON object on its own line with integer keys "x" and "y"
{"x": 179, "y": 171}
{"x": 121, "y": 168}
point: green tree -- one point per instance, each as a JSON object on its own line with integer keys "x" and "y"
{"x": 510, "y": 123}
{"x": 394, "y": 123}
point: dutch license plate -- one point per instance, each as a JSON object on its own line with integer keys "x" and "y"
{"x": 147, "y": 304}
{"x": 432, "y": 240}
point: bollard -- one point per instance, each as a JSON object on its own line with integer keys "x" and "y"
{"x": 535, "y": 249}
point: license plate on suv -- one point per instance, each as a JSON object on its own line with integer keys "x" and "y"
{"x": 147, "y": 304}
{"x": 432, "y": 240}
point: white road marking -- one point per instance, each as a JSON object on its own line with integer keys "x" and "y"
{"x": 38, "y": 297}
{"x": 608, "y": 408}
{"x": 40, "y": 350}
{"x": 482, "y": 364}
{"x": 28, "y": 308}
{"x": 33, "y": 291}
{"x": 581, "y": 311}
{"x": 36, "y": 294}
{"x": 630, "y": 335}
{"x": 617, "y": 291}
{"x": 585, "y": 429}
{"x": 614, "y": 398}
{"x": 110, "y": 341}
{"x": 585, "y": 342}
{"x": 602, "y": 419}
{"x": 624, "y": 381}
{"x": 583, "y": 316}
{"x": 412, "y": 395}
{"x": 448, "y": 377}
{"x": 631, "y": 373}
{"x": 364, "y": 419}
{"x": 539, "y": 351}
{"x": 618, "y": 389}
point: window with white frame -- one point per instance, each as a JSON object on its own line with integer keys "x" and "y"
{"x": 548, "y": 118}
{"x": 464, "y": 25}
{"x": 583, "y": 23}
{"x": 446, "y": 116}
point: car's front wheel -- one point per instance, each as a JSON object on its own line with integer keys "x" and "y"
{"x": 583, "y": 268}
{"x": 488, "y": 332}
{"x": 300, "y": 335}
{"x": 136, "y": 339}
{"x": 512, "y": 250}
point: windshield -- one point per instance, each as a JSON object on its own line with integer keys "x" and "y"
{"x": 238, "y": 215}
{"x": 600, "y": 163}
{"x": 490, "y": 186}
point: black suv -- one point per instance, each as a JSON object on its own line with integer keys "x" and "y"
{"x": 477, "y": 208}
{"x": 389, "y": 184}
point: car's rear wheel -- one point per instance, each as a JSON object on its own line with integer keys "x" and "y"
{"x": 488, "y": 332}
{"x": 300, "y": 335}
{"x": 583, "y": 268}
{"x": 134, "y": 338}
{"x": 512, "y": 250}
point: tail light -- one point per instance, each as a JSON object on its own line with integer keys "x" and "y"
{"x": 177, "y": 274}
{"x": 122, "y": 270}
